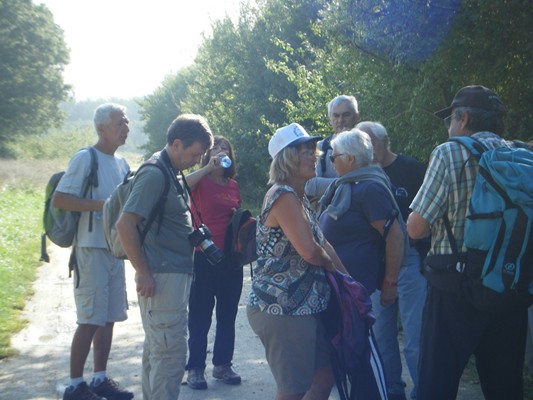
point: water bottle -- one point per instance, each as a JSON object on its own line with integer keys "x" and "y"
{"x": 225, "y": 161}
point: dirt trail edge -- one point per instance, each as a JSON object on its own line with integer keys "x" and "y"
{"x": 40, "y": 370}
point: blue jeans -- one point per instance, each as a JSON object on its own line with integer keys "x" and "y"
{"x": 222, "y": 283}
{"x": 410, "y": 304}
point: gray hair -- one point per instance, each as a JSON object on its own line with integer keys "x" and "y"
{"x": 375, "y": 129}
{"x": 355, "y": 143}
{"x": 102, "y": 114}
{"x": 343, "y": 99}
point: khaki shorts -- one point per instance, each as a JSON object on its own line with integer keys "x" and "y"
{"x": 101, "y": 295}
{"x": 295, "y": 347}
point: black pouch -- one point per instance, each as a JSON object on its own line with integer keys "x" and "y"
{"x": 481, "y": 297}
{"x": 443, "y": 271}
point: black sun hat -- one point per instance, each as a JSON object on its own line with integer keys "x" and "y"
{"x": 474, "y": 96}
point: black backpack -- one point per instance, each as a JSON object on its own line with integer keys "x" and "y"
{"x": 240, "y": 240}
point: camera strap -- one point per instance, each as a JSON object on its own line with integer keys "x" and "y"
{"x": 179, "y": 188}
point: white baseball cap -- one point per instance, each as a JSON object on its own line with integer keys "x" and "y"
{"x": 290, "y": 135}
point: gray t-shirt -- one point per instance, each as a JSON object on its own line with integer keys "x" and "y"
{"x": 111, "y": 172}
{"x": 166, "y": 246}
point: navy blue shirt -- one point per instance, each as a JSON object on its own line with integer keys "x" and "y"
{"x": 360, "y": 247}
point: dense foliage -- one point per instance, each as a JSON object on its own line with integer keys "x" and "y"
{"x": 33, "y": 55}
{"x": 282, "y": 61}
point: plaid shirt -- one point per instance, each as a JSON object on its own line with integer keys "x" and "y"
{"x": 447, "y": 188}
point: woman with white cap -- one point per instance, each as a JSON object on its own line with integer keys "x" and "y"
{"x": 289, "y": 288}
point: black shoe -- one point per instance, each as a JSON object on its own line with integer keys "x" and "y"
{"x": 109, "y": 389}
{"x": 81, "y": 392}
{"x": 226, "y": 374}
{"x": 196, "y": 379}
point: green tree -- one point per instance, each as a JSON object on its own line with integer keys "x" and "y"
{"x": 161, "y": 107}
{"x": 33, "y": 55}
{"x": 403, "y": 60}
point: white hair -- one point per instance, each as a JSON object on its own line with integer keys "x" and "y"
{"x": 102, "y": 114}
{"x": 343, "y": 99}
{"x": 355, "y": 143}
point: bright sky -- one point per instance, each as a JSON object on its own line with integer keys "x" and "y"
{"x": 125, "y": 48}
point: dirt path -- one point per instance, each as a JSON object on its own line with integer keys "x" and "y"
{"x": 40, "y": 371}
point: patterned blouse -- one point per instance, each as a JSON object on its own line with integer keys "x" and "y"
{"x": 283, "y": 283}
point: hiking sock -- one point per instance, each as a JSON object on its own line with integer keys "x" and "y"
{"x": 98, "y": 377}
{"x": 74, "y": 382}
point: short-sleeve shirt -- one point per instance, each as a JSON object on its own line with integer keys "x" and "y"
{"x": 111, "y": 171}
{"x": 447, "y": 188}
{"x": 216, "y": 204}
{"x": 166, "y": 246}
{"x": 284, "y": 283}
{"x": 358, "y": 244}
{"x": 406, "y": 175}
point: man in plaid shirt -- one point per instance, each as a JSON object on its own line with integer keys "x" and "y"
{"x": 452, "y": 329}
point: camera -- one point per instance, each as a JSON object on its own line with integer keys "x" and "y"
{"x": 201, "y": 237}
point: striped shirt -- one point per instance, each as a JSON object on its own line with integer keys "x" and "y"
{"x": 447, "y": 188}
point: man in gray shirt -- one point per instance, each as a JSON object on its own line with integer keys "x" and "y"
{"x": 164, "y": 262}
{"x": 100, "y": 285}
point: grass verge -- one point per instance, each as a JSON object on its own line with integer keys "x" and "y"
{"x": 20, "y": 211}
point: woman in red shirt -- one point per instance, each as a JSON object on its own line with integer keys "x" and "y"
{"x": 216, "y": 196}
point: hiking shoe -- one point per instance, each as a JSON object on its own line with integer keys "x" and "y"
{"x": 226, "y": 374}
{"x": 81, "y": 392}
{"x": 110, "y": 390}
{"x": 196, "y": 379}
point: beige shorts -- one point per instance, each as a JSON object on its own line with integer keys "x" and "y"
{"x": 295, "y": 347}
{"x": 101, "y": 295}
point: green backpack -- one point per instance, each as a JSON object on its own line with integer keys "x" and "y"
{"x": 60, "y": 226}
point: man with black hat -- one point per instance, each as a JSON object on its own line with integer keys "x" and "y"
{"x": 452, "y": 329}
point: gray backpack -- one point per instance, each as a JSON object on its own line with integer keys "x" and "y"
{"x": 115, "y": 203}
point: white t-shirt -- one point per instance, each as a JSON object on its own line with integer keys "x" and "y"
{"x": 111, "y": 172}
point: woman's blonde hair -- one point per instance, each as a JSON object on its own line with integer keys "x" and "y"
{"x": 286, "y": 162}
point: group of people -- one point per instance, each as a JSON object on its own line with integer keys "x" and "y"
{"x": 377, "y": 210}
{"x": 169, "y": 280}
{"x": 355, "y": 207}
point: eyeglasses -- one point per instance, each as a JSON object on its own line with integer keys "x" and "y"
{"x": 333, "y": 157}
{"x": 448, "y": 122}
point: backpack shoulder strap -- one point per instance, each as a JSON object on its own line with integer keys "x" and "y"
{"x": 91, "y": 181}
{"x": 158, "y": 208}
{"x": 326, "y": 145}
{"x": 474, "y": 146}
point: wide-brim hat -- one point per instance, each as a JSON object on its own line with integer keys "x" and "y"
{"x": 290, "y": 135}
{"x": 474, "y": 96}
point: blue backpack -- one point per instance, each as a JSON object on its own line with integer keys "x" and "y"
{"x": 498, "y": 232}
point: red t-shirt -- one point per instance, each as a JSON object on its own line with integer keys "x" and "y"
{"x": 216, "y": 203}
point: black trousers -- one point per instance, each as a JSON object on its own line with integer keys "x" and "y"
{"x": 222, "y": 284}
{"x": 452, "y": 330}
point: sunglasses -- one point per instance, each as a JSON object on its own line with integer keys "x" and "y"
{"x": 333, "y": 157}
